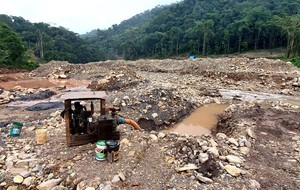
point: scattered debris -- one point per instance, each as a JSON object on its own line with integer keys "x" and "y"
{"x": 253, "y": 146}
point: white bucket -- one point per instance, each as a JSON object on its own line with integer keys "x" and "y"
{"x": 101, "y": 150}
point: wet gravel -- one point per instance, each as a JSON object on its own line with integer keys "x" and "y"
{"x": 45, "y": 106}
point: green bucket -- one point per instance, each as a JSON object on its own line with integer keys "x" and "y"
{"x": 15, "y": 129}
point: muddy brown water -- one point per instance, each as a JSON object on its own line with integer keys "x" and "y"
{"x": 43, "y": 83}
{"x": 200, "y": 121}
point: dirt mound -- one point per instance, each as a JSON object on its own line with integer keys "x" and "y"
{"x": 118, "y": 78}
{"x": 51, "y": 68}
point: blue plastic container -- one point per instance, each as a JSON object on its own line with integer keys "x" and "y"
{"x": 15, "y": 129}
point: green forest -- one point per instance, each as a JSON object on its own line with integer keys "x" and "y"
{"x": 40, "y": 42}
{"x": 202, "y": 27}
{"x": 205, "y": 27}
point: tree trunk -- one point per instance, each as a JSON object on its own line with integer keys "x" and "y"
{"x": 257, "y": 39}
{"x": 291, "y": 42}
{"x": 240, "y": 41}
{"x": 177, "y": 47}
{"x": 41, "y": 47}
{"x": 204, "y": 45}
{"x": 228, "y": 47}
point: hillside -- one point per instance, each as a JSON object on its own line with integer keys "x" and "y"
{"x": 51, "y": 43}
{"x": 203, "y": 27}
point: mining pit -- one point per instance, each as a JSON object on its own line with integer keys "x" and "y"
{"x": 244, "y": 133}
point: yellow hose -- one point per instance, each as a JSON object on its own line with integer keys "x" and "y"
{"x": 133, "y": 124}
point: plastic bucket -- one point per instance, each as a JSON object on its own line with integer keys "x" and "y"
{"x": 100, "y": 150}
{"x": 112, "y": 145}
{"x": 41, "y": 136}
{"x": 112, "y": 150}
{"x": 15, "y": 129}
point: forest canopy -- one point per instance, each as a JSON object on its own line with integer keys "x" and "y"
{"x": 12, "y": 50}
{"x": 52, "y": 43}
{"x": 206, "y": 27}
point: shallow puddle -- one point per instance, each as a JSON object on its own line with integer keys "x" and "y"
{"x": 43, "y": 83}
{"x": 200, "y": 121}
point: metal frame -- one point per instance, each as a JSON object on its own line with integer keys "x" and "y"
{"x": 75, "y": 140}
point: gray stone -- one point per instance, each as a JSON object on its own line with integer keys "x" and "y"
{"x": 234, "y": 159}
{"x": 204, "y": 148}
{"x": 77, "y": 180}
{"x": 214, "y": 151}
{"x": 25, "y": 173}
{"x": 233, "y": 141}
{"x": 16, "y": 170}
{"x": 250, "y": 133}
{"x": 48, "y": 185}
{"x": 50, "y": 176}
{"x": 248, "y": 144}
{"x": 90, "y": 188}
{"x": 62, "y": 76}
{"x": 232, "y": 170}
{"x": 115, "y": 179}
{"x": 285, "y": 91}
{"x": 2, "y": 157}
{"x": 9, "y": 164}
{"x": 28, "y": 181}
{"x": 122, "y": 176}
{"x": 213, "y": 143}
{"x": 204, "y": 179}
{"x": 12, "y": 188}
{"x": 24, "y": 156}
{"x": 154, "y": 115}
{"x": 107, "y": 187}
{"x": 81, "y": 185}
{"x": 161, "y": 135}
{"x": 59, "y": 188}
{"x": 244, "y": 150}
{"x": 254, "y": 184}
{"x": 203, "y": 157}
{"x": 184, "y": 149}
{"x": 153, "y": 137}
{"x": 37, "y": 168}
{"x": 242, "y": 142}
{"x": 221, "y": 136}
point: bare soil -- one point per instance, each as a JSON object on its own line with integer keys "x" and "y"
{"x": 272, "y": 161}
{"x": 159, "y": 93}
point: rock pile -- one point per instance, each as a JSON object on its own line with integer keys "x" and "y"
{"x": 207, "y": 157}
{"x": 296, "y": 82}
{"x": 117, "y": 79}
{"x": 22, "y": 161}
{"x": 53, "y": 69}
{"x": 19, "y": 93}
{"x": 5, "y": 97}
{"x": 252, "y": 147}
{"x": 154, "y": 108}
